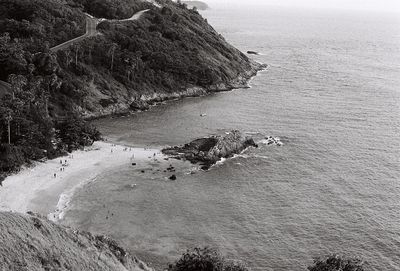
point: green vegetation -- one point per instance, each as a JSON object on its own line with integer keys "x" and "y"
{"x": 39, "y": 24}
{"x": 208, "y": 259}
{"x": 205, "y": 259}
{"x": 337, "y": 263}
{"x": 170, "y": 49}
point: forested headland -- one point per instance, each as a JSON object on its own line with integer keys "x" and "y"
{"x": 169, "y": 50}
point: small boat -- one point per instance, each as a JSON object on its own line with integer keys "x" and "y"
{"x": 203, "y": 115}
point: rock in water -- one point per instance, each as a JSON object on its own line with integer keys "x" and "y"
{"x": 31, "y": 242}
{"x": 173, "y": 177}
{"x": 210, "y": 150}
{"x": 252, "y": 53}
{"x": 139, "y": 105}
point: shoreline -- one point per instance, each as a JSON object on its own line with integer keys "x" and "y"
{"x": 47, "y": 187}
{"x": 145, "y": 102}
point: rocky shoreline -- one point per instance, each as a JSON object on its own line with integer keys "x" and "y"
{"x": 145, "y": 101}
{"x": 207, "y": 151}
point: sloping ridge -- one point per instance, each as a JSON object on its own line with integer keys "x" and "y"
{"x": 30, "y": 242}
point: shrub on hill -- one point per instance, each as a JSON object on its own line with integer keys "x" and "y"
{"x": 337, "y": 263}
{"x": 205, "y": 259}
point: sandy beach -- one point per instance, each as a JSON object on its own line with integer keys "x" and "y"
{"x": 47, "y": 187}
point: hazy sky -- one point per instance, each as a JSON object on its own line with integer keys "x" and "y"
{"x": 374, "y": 5}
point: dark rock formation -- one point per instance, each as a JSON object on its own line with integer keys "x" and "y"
{"x": 173, "y": 177}
{"x": 139, "y": 105}
{"x": 31, "y": 242}
{"x": 209, "y": 150}
{"x": 252, "y": 53}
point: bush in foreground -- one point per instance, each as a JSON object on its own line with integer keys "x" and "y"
{"x": 205, "y": 259}
{"x": 208, "y": 259}
{"x": 337, "y": 263}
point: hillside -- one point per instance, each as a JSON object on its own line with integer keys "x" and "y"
{"x": 30, "y": 242}
{"x": 168, "y": 52}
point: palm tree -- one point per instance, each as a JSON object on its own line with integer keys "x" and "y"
{"x": 17, "y": 83}
{"x": 77, "y": 47}
{"x": 9, "y": 119}
{"x": 111, "y": 52}
{"x": 67, "y": 57}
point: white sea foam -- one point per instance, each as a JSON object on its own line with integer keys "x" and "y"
{"x": 271, "y": 141}
{"x": 65, "y": 200}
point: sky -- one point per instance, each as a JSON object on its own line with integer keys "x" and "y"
{"x": 370, "y": 5}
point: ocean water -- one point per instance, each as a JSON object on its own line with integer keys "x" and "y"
{"x": 331, "y": 94}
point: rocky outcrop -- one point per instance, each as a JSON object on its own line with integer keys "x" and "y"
{"x": 252, "y": 52}
{"x": 30, "y": 242}
{"x": 209, "y": 150}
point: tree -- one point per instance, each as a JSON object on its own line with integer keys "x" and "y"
{"x": 111, "y": 52}
{"x": 9, "y": 119}
{"x": 68, "y": 59}
{"x": 90, "y": 47}
{"x": 50, "y": 82}
{"x": 17, "y": 82}
{"x": 12, "y": 58}
{"x": 337, "y": 263}
{"x": 31, "y": 69}
{"x": 205, "y": 259}
{"x": 77, "y": 47}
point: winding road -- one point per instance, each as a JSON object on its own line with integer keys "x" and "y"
{"x": 135, "y": 16}
{"x": 91, "y": 29}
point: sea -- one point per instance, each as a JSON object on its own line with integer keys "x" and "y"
{"x": 330, "y": 95}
